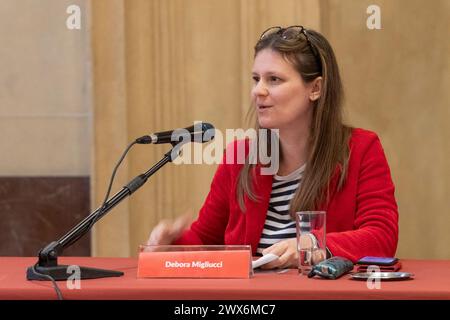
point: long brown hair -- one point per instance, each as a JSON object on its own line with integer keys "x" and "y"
{"x": 328, "y": 144}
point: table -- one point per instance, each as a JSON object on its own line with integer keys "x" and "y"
{"x": 431, "y": 281}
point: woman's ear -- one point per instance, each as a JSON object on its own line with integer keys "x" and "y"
{"x": 316, "y": 89}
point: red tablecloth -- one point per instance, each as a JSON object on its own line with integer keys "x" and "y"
{"x": 431, "y": 281}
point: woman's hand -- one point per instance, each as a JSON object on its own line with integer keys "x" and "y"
{"x": 168, "y": 231}
{"x": 288, "y": 253}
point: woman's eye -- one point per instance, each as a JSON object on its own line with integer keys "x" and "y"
{"x": 255, "y": 79}
{"x": 274, "y": 79}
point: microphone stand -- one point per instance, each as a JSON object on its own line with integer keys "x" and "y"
{"x": 48, "y": 256}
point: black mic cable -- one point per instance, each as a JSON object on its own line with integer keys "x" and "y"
{"x": 102, "y": 207}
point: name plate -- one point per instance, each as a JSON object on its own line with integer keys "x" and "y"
{"x": 194, "y": 262}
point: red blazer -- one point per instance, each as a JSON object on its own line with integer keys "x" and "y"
{"x": 362, "y": 218}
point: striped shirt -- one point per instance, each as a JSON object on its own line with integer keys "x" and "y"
{"x": 279, "y": 225}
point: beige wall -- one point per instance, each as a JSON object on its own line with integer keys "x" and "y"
{"x": 158, "y": 65}
{"x": 45, "y": 97}
{"x": 397, "y": 81}
{"x": 162, "y": 64}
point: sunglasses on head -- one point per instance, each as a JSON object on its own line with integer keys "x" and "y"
{"x": 291, "y": 33}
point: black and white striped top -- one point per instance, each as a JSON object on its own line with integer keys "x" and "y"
{"x": 279, "y": 225}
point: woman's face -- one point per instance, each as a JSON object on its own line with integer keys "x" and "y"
{"x": 279, "y": 94}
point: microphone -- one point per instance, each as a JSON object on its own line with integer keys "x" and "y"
{"x": 199, "y": 132}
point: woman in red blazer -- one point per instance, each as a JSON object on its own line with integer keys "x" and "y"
{"x": 297, "y": 90}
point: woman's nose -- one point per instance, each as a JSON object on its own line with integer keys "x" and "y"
{"x": 260, "y": 89}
